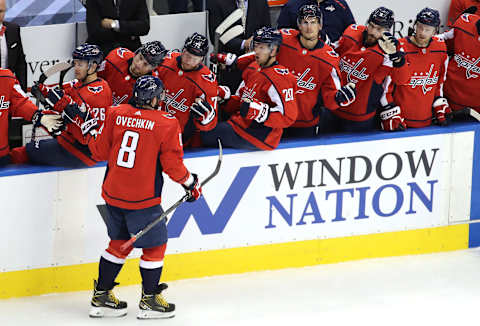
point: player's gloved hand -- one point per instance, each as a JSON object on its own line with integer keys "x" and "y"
{"x": 442, "y": 111}
{"x": 223, "y": 58}
{"x": 253, "y": 110}
{"x": 346, "y": 95}
{"x": 50, "y": 120}
{"x": 224, "y": 93}
{"x": 388, "y": 43}
{"x": 203, "y": 111}
{"x": 81, "y": 117}
{"x": 38, "y": 90}
{"x": 192, "y": 188}
{"x": 391, "y": 118}
{"x": 58, "y": 99}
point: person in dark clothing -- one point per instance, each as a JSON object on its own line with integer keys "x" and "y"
{"x": 337, "y": 16}
{"x": 117, "y": 23}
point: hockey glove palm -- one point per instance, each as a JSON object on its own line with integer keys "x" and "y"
{"x": 388, "y": 43}
{"x": 442, "y": 112}
{"x": 391, "y": 118}
{"x": 254, "y": 110}
{"x": 346, "y": 95}
{"x": 50, "y": 120}
{"x": 203, "y": 111}
{"x": 193, "y": 189}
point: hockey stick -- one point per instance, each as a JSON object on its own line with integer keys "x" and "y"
{"x": 61, "y": 67}
{"x": 142, "y": 232}
{"x": 227, "y": 22}
{"x": 231, "y": 34}
{"x": 468, "y": 112}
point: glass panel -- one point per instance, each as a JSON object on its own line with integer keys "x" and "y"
{"x": 44, "y": 12}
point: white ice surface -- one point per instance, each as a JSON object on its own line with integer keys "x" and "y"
{"x": 436, "y": 289}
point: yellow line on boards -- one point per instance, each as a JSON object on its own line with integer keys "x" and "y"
{"x": 244, "y": 259}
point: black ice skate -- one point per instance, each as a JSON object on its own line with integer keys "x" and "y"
{"x": 155, "y": 306}
{"x": 105, "y": 304}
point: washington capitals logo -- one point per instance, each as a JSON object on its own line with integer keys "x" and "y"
{"x": 249, "y": 92}
{"x": 95, "y": 89}
{"x": 119, "y": 99}
{"x": 425, "y": 80}
{"x": 472, "y": 68}
{"x": 121, "y": 52}
{"x": 210, "y": 77}
{"x": 352, "y": 69}
{"x": 281, "y": 71}
{"x": 303, "y": 82}
{"x": 171, "y": 101}
{"x": 330, "y": 8}
{"x": 4, "y": 105}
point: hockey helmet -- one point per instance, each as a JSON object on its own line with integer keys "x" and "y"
{"x": 146, "y": 88}
{"x": 307, "y": 11}
{"x": 428, "y": 16}
{"x": 196, "y": 44}
{"x": 383, "y": 17}
{"x": 267, "y": 35}
{"x": 154, "y": 52}
{"x": 88, "y": 52}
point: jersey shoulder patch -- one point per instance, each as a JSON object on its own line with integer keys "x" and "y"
{"x": 209, "y": 77}
{"x": 121, "y": 52}
{"x": 281, "y": 71}
{"x": 95, "y": 89}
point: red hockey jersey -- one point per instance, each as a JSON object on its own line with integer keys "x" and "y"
{"x": 115, "y": 70}
{"x": 13, "y": 102}
{"x": 183, "y": 87}
{"x": 96, "y": 97}
{"x": 427, "y": 74}
{"x": 274, "y": 86}
{"x": 367, "y": 67}
{"x": 139, "y": 145}
{"x": 463, "y": 75}
{"x": 317, "y": 72}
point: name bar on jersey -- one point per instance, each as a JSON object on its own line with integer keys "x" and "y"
{"x": 135, "y": 123}
{"x": 469, "y": 65}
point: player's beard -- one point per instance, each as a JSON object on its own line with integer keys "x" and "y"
{"x": 370, "y": 40}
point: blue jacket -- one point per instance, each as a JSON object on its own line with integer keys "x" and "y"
{"x": 337, "y": 16}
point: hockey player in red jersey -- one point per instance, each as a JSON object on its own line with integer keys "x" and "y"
{"x": 13, "y": 101}
{"x": 316, "y": 67}
{"x": 122, "y": 67}
{"x": 367, "y": 55}
{"x": 191, "y": 88}
{"x": 420, "y": 100}
{"x": 264, "y": 103}
{"x": 139, "y": 142}
{"x": 463, "y": 75}
{"x": 88, "y": 91}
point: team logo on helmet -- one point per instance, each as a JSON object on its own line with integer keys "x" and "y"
{"x": 428, "y": 16}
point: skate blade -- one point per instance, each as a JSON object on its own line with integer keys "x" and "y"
{"x": 100, "y": 312}
{"x": 150, "y": 314}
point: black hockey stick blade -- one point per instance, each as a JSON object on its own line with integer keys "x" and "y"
{"x": 185, "y": 197}
{"x": 473, "y": 113}
{"x": 229, "y": 21}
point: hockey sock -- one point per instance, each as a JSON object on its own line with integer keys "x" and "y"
{"x": 150, "y": 279}
{"x": 107, "y": 273}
